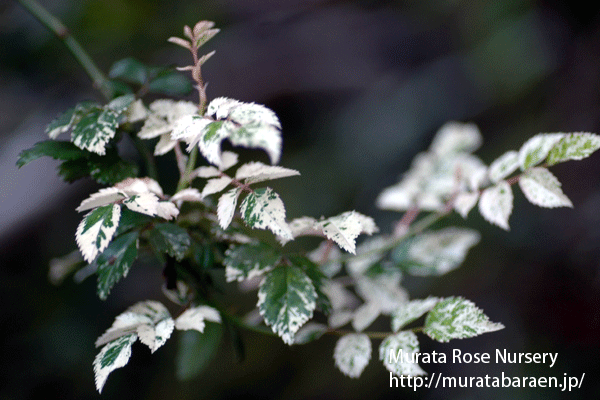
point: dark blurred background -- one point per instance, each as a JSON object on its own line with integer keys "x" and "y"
{"x": 360, "y": 87}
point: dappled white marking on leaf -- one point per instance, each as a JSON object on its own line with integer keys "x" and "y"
{"x": 496, "y": 203}
{"x": 411, "y": 311}
{"x": 190, "y": 194}
{"x": 352, "y": 353}
{"x": 286, "y": 300}
{"x": 216, "y": 185}
{"x": 345, "y": 228}
{"x": 504, "y": 165}
{"x": 244, "y": 124}
{"x": 226, "y": 207}
{"x": 464, "y": 202}
{"x": 194, "y": 318}
{"x": 367, "y": 253}
{"x": 439, "y": 252}
{"x": 340, "y": 297}
{"x": 535, "y": 150}
{"x": 167, "y": 210}
{"x": 264, "y": 209}
{"x": 301, "y": 227}
{"x": 114, "y": 355}
{"x": 101, "y": 198}
{"x": 574, "y": 146}
{"x": 163, "y": 116}
{"x": 365, "y": 315}
{"x": 389, "y": 350}
{"x": 256, "y": 171}
{"x": 457, "y": 318}
{"x": 144, "y": 203}
{"x": 383, "y": 290}
{"x": 456, "y": 137}
{"x": 248, "y": 261}
{"x": 96, "y": 230}
{"x": 399, "y": 196}
{"x": 543, "y": 189}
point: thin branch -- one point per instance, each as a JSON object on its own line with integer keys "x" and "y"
{"x": 61, "y": 31}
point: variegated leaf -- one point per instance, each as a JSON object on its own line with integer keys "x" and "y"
{"x": 496, "y": 203}
{"x": 263, "y": 209}
{"x": 352, "y": 354}
{"x": 503, "y": 166}
{"x": 193, "y": 318}
{"x": 254, "y": 172}
{"x": 574, "y": 146}
{"x": 543, "y": 189}
{"x": 215, "y": 185}
{"x": 226, "y": 207}
{"x": 96, "y": 230}
{"x": 411, "y": 311}
{"x": 536, "y": 149}
{"x": 397, "y": 352}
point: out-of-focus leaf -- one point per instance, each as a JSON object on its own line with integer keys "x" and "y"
{"x": 196, "y": 350}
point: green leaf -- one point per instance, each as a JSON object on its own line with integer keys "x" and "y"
{"x": 411, "y": 311}
{"x": 286, "y": 300}
{"x": 543, "y": 189}
{"x": 51, "y": 148}
{"x": 111, "y": 169}
{"x": 130, "y": 70}
{"x": 352, "y": 354}
{"x": 171, "y": 239}
{"x": 130, "y": 220}
{"x": 170, "y": 83}
{"x": 317, "y": 277}
{"x": 114, "y": 263}
{"x": 396, "y": 352}
{"x": 574, "y": 146}
{"x": 96, "y": 230}
{"x": 457, "y": 318}
{"x": 263, "y": 209}
{"x": 72, "y": 170}
{"x": 196, "y": 350}
{"x": 249, "y": 260}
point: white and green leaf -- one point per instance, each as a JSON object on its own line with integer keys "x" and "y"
{"x": 143, "y": 203}
{"x": 542, "y": 188}
{"x": 464, "y": 202}
{"x": 343, "y": 229}
{"x": 171, "y": 239}
{"x": 536, "y": 149}
{"x": 103, "y": 197}
{"x": 113, "y": 355}
{"x": 352, "y": 354}
{"x": 310, "y": 332}
{"x": 411, "y": 311}
{"x": 457, "y": 318}
{"x": 397, "y": 352}
{"x": 96, "y": 230}
{"x": 194, "y": 318}
{"x": 215, "y": 185}
{"x": 365, "y": 315}
{"x": 226, "y": 206}
{"x": 249, "y": 260}
{"x": 574, "y": 146}
{"x": 496, "y": 203}
{"x": 503, "y": 166}
{"x": 115, "y": 262}
{"x": 264, "y": 209}
{"x": 254, "y": 172}
{"x": 286, "y": 300}
{"x": 456, "y": 137}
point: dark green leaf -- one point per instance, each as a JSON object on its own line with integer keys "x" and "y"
{"x": 170, "y": 83}
{"x": 203, "y": 255}
{"x": 117, "y": 88}
{"x": 72, "y": 170}
{"x": 129, "y": 70}
{"x": 318, "y": 279}
{"x": 130, "y": 220}
{"x": 248, "y": 260}
{"x": 171, "y": 239}
{"x": 196, "y": 350}
{"x": 108, "y": 170}
{"x": 51, "y": 148}
{"x": 114, "y": 263}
